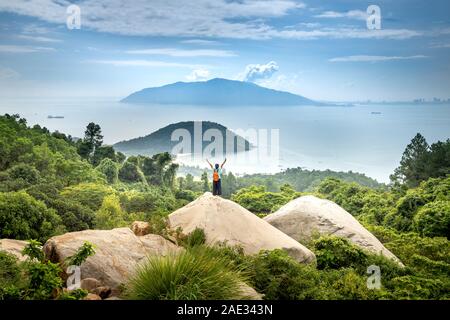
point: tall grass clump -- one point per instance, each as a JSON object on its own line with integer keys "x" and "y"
{"x": 193, "y": 239}
{"x": 194, "y": 274}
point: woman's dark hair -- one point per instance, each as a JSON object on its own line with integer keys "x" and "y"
{"x": 216, "y": 165}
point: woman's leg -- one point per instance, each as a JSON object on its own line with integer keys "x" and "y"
{"x": 219, "y": 187}
{"x": 214, "y": 188}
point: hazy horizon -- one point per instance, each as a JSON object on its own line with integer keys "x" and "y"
{"x": 321, "y": 50}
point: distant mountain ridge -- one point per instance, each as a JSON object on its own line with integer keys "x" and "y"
{"x": 160, "y": 140}
{"x": 217, "y": 92}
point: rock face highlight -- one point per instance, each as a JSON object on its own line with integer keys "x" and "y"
{"x": 304, "y": 216}
{"x": 13, "y": 247}
{"x": 225, "y": 221}
{"x": 117, "y": 252}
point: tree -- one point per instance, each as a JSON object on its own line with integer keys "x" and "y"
{"x": 189, "y": 182}
{"x": 93, "y": 136}
{"x": 103, "y": 152}
{"x": 205, "y": 181}
{"x": 129, "y": 172}
{"x": 433, "y": 219}
{"x": 413, "y": 165}
{"x": 109, "y": 169}
{"x": 92, "y": 140}
{"x": 22, "y": 217}
{"x": 439, "y": 159}
{"x": 110, "y": 215}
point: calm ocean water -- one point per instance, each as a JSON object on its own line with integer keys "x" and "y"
{"x": 336, "y": 138}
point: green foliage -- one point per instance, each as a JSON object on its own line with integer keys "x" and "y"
{"x": 278, "y": 276}
{"x": 34, "y": 250}
{"x": 25, "y": 172}
{"x": 421, "y": 162}
{"x": 257, "y": 200}
{"x": 194, "y": 274}
{"x": 193, "y": 239}
{"x": 44, "y": 280}
{"x": 11, "y": 277}
{"x": 187, "y": 195}
{"x": 130, "y": 172}
{"x": 335, "y": 253}
{"x": 23, "y": 217}
{"x": 304, "y": 180}
{"x": 110, "y": 215}
{"x": 433, "y": 220}
{"x": 84, "y": 252}
{"x": 150, "y": 200}
{"x": 109, "y": 168}
{"x": 90, "y": 195}
{"x": 77, "y": 294}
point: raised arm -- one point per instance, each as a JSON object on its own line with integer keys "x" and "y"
{"x": 223, "y": 163}
{"x": 209, "y": 163}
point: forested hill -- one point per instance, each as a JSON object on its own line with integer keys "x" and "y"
{"x": 217, "y": 92}
{"x": 307, "y": 180}
{"x": 161, "y": 140}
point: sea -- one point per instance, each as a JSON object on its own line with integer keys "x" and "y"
{"x": 364, "y": 138}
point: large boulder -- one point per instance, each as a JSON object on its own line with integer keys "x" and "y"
{"x": 117, "y": 252}
{"x": 13, "y": 247}
{"x": 225, "y": 221}
{"x": 303, "y": 217}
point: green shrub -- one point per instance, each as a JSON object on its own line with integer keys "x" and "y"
{"x": 413, "y": 287}
{"x": 109, "y": 168}
{"x": 257, "y": 200}
{"x": 335, "y": 253}
{"x": 34, "y": 250}
{"x": 187, "y": 195}
{"x": 77, "y": 294}
{"x": 11, "y": 277}
{"x": 23, "y": 217}
{"x": 25, "y": 172}
{"x": 90, "y": 195}
{"x": 130, "y": 172}
{"x": 111, "y": 215}
{"x": 433, "y": 219}
{"x": 195, "y": 274}
{"x": 279, "y": 277}
{"x": 83, "y": 252}
{"x": 193, "y": 239}
{"x": 44, "y": 280}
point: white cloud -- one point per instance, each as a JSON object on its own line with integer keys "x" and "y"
{"x": 8, "y": 74}
{"x": 440, "y": 45}
{"x": 365, "y": 58}
{"x": 37, "y": 38}
{"x": 255, "y": 72}
{"x": 347, "y": 33}
{"x": 173, "y": 52}
{"x": 23, "y": 49}
{"x": 245, "y": 19}
{"x": 198, "y": 74}
{"x": 201, "y": 42}
{"x": 352, "y": 14}
{"x": 146, "y": 63}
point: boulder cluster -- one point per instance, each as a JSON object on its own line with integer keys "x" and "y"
{"x": 119, "y": 251}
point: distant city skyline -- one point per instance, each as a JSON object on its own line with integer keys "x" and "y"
{"x": 322, "y": 50}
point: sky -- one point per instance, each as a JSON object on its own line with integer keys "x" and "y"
{"x": 323, "y": 50}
